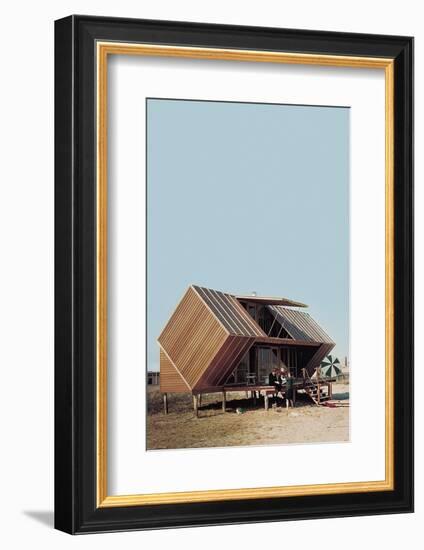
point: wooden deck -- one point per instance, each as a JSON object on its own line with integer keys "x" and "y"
{"x": 318, "y": 391}
{"x": 255, "y": 390}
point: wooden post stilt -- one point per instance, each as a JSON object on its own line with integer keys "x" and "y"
{"x": 165, "y": 403}
{"x": 195, "y": 405}
{"x": 330, "y": 390}
{"x": 224, "y": 401}
{"x": 318, "y": 371}
{"x": 200, "y": 399}
{"x": 266, "y": 401}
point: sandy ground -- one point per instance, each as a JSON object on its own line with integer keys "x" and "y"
{"x": 306, "y": 423}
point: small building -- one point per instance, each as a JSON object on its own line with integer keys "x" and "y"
{"x": 153, "y": 378}
{"x": 219, "y": 342}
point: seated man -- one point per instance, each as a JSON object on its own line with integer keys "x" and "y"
{"x": 274, "y": 379}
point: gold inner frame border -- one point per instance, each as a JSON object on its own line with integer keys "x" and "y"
{"x": 103, "y": 50}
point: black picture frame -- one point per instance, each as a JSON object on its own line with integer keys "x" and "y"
{"x": 76, "y": 510}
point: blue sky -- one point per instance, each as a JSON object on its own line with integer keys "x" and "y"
{"x": 246, "y": 197}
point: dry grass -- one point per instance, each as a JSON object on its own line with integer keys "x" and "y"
{"x": 306, "y": 423}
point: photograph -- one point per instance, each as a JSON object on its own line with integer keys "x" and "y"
{"x": 247, "y": 224}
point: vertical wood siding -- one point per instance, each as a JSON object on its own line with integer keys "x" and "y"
{"x": 192, "y": 337}
{"x": 170, "y": 379}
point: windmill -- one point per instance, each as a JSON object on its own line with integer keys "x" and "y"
{"x": 330, "y": 367}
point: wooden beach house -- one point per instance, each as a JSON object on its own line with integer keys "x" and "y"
{"x": 219, "y": 342}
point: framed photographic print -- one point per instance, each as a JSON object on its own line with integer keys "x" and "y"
{"x": 234, "y": 274}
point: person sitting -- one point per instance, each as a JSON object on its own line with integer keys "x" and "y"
{"x": 274, "y": 379}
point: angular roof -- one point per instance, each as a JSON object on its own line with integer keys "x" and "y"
{"x": 268, "y": 300}
{"x": 300, "y": 325}
{"x": 229, "y": 312}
